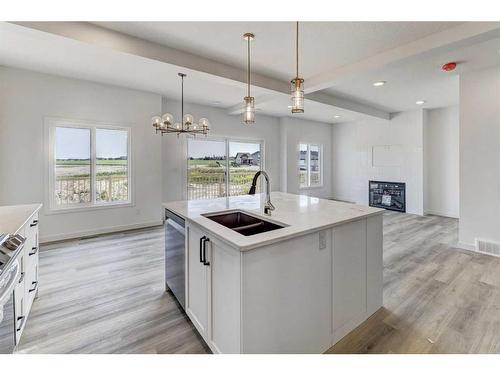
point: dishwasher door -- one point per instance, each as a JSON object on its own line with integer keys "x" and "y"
{"x": 175, "y": 255}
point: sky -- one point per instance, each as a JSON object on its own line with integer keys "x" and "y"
{"x": 74, "y": 143}
{"x": 203, "y": 147}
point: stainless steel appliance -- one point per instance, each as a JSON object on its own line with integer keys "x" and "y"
{"x": 10, "y": 274}
{"x": 175, "y": 256}
{"x": 9, "y": 277}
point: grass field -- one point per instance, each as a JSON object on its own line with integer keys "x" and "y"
{"x": 67, "y": 162}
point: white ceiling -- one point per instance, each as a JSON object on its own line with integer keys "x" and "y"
{"x": 323, "y": 45}
{"x": 419, "y": 78}
{"x": 33, "y": 50}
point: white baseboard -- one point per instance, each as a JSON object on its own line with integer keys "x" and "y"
{"x": 94, "y": 232}
{"x": 440, "y": 213}
{"x": 472, "y": 247}
{"x": 466, "y": 246}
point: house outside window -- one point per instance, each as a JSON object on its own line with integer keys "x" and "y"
{"x": 221, "y": 167}
{"x": 310, "y": 165}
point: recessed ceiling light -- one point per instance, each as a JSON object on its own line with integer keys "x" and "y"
{"x": 336, "y": 116}
{"x": 420, "y": 102}
{"x": 379, "y": 83}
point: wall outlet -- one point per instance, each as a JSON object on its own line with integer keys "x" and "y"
{"x": 322, "y": 240}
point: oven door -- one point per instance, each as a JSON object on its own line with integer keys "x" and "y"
{"x": 7, "y": 322}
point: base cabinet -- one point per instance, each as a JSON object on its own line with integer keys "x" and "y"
{"x": 212, "y": 293}
{"x": 27, "y": 289}
{"x": 300, "y": 295}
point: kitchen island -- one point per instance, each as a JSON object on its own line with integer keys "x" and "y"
{"x": 312, "y": 277}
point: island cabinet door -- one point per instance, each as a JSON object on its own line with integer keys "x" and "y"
{"x": 224, "y": 299}
{"x": 197, "y": 281}
{"x": 349, "y": 277}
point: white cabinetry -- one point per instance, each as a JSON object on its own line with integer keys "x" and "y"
{"x": 300, "y": 295}
{"x": 213, "y": 288}
{"x": 27, "y": 288}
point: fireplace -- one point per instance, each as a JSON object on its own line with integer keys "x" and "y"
{"x": 388, "y": 195}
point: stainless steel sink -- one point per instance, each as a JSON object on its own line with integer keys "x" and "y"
{"x": 243, "y": 223}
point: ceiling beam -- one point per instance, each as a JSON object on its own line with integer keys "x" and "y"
{"x": 100, "y": 36}
{"x": 214, "y": 70}
{"x": 452, "y": 37}
{"x": 349, "y": 105}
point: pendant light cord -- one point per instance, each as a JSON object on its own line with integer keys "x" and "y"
{"x": 297, "y": 49}
{"x": 248, "y": 50}
{"x": 182, "y": 100}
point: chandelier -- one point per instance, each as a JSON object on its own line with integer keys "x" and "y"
{"x": 248, "y": 101}
{"x": 297, "y": 83}
{"x": 166, "y": 124}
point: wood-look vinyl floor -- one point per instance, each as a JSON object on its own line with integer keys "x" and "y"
{"x": 106, "y": 295}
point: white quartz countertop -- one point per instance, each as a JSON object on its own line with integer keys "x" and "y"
{"x": 300, "y": 213}
{"x": 13, "y": 218}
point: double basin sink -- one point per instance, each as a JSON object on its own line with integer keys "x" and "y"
{"x": 243, "y": 223}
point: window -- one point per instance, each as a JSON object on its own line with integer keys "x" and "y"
{"x": 89, "y": 165}
{"x": 221, "y": 167}
{"x": 310, "y": 165}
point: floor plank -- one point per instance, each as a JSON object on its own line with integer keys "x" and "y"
{"x": 106, "y": 295}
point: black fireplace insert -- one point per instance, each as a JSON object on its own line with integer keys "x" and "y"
{"x": 388, "y": 195}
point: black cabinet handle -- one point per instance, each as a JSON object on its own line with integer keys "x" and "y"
{"x": 21, "y": 278}
{"x": 201, "y": 251}
{"x": 19, "y": 327}
{"x": 35, "y": 250}
{"x": 205, "y": 262}
{"x": 34, "y": 223}
{"x": 34, "y": 283}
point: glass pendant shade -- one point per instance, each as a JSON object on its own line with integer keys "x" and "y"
{"x": 188, "y": 119}
{"x": 249, "y": 110}
{"x": 167, "y": 118}
{"x": 297, "y": 95}
{"x": 204, "y": 123}
{"x": 156, "y": 121}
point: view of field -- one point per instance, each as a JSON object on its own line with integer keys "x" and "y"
{"x": 207, "y": 166}
{"x": 73, "y": 165}
{"x": 73, "y": 181}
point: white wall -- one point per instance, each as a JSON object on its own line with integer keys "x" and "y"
{"x": 479, "y": 156}
{"x": 441, "y": 157}
{"x": 26, "y": 98}
{"x": 174, "y": 151}
{"x": 294, "y": 131}
{"x": 353, "y": 162}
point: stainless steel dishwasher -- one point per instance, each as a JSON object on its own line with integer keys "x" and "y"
{"x": 175, "y": 255}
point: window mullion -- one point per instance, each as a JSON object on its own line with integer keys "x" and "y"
{"x": 308, "y": 165}
{"x": 93, "y": 180}
{"x": 227, "y": 168}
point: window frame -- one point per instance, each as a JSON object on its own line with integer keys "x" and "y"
{"x": 308, "y": 163}
{"x": 50, "y": 128}
{"x": 226, "y": 141}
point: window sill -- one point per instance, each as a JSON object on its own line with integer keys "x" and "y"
{"x": 73, "y": 209}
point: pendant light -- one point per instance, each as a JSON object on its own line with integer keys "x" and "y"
{"x": 248, "y": 101}
{"x": 165, "y": 123}
{"x": 297, "y": 83}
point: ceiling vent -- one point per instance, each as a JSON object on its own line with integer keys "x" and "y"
{"x": 488, "y": 247}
